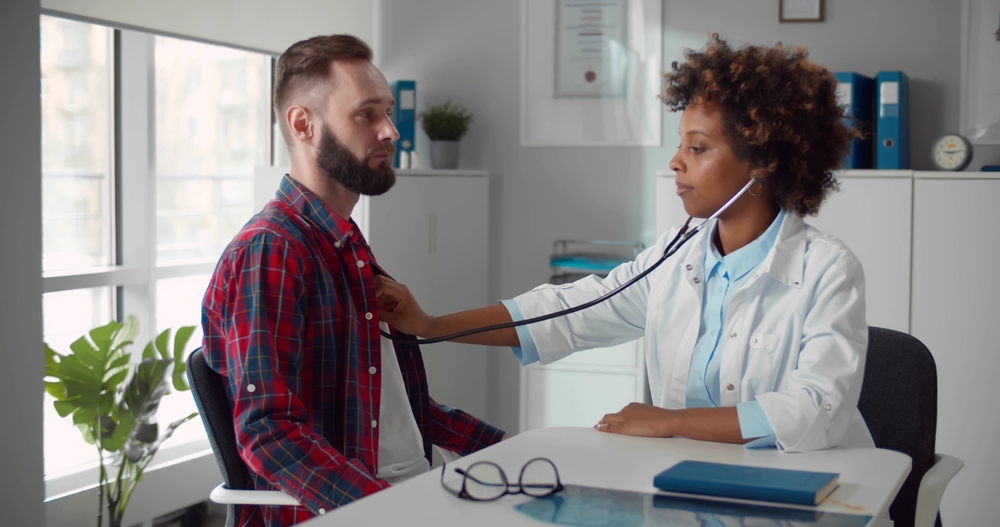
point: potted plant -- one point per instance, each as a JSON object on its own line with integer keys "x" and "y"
{"x": 113, "y": 400}
{"x": 445, "y": 125}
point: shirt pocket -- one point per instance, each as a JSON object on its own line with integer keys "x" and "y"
{"x": 759, "y": 373}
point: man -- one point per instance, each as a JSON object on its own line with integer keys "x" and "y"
{"x": 324, "y": 408}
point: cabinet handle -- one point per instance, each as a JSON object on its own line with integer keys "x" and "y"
{"x": 432, "y": 233}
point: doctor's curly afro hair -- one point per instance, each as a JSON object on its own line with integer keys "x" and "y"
{"x": 780, "y": 114}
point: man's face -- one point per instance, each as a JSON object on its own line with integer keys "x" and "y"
{"x": 356, "y": 175}
{"x": 357, "y": 133}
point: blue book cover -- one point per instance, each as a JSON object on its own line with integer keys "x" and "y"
{"x": 892, "y": 121}
{"x": 404, "y": 116}
{"x": 749, "y": 483}
{"x": 854, "y": 95}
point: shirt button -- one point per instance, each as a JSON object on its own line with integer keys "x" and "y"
{"x": 336, "y": 244}
{"x": 733, "y": 335}
{"x": 730, "y": 387}
{"x": 372, "y": 370}
{"x": 754, "y": 341}
{"x": 689, "y": 267}
{"x": 251, "y": 388}
{"x": 321, "y": 511}
{"x": 368, "y": 316}
{"x": 697, "y": 280}
{"x": 350, "y": 233}
{"x": 374, "y": 423}
{"x": 361, "y": 263}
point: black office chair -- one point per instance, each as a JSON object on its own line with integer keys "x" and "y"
{"x": 213, "y": 405}
{"x": 899, "y": 404}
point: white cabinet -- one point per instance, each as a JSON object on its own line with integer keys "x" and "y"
{"x": 956, "y": 302}
{"x": 431, "y": 232}
{"x": 871, "y": 214}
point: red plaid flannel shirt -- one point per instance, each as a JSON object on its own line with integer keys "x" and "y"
{"x": 290, "y": 321}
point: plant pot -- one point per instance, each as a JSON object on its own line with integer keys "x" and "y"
{"x": 444, "y": 154}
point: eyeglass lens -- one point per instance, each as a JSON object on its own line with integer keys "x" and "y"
{"x": 538, "y": 478}
{"x": 485, "y": 481}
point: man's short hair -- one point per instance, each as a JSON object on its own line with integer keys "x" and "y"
{"x": 305, "y": 67}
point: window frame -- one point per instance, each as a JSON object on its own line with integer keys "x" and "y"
{"x": 135, "y": 273}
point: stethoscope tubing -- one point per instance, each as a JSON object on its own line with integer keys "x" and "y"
{"x": 675, "y": 244}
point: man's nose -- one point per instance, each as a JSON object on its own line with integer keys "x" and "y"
{"x": 387, "y": 130}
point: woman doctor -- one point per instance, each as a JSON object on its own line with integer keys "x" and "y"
{"x": 755, "y": 330}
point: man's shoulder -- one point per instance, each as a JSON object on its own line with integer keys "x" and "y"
{"x": 274, "y": 224}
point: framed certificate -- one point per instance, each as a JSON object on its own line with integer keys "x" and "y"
{"x": 591, "y": 48}
{"x": 591, "y": 72}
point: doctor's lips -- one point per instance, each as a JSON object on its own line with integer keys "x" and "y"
{"x": 683, "y": 189}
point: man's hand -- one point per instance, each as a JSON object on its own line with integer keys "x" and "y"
{"x": 398, "y": 308}
{"x": 638, "y": 419}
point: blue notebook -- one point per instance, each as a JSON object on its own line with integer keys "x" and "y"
{"x": 748, "y": 483}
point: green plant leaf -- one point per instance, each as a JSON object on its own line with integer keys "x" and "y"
{"x": 148, "y": 352}
{"x": 56, "y": 390}
{"x": 180, "y": 343}
{"x": 126, "y": 335}
{"x": 161, "y": 344}
{"x": 52, "y": 360}
{"x": 87, "y": 433}
{"x": 64, "y": 408}
{"x": 112, "y": 383}
{"x": 86, "y": 353}
{"x": 446, "y": 122}
{"x": 85, "y": 416}
{"x": 119, "y": 362}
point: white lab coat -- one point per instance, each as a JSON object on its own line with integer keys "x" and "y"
{"x": 795, "y": 334}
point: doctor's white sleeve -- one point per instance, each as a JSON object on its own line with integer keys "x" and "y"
{"x": 819, "y": 402}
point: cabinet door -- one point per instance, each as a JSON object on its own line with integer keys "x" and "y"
{"x": 872, "y": 216}
{"x": 456, "y": 373}
{"x": 399, "y": 225}
{"x": 956, "y": 302}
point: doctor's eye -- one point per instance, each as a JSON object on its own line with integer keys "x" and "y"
{"x": 697, "y": 149}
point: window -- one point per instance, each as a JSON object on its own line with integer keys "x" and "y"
{"x": 140, "y": 234}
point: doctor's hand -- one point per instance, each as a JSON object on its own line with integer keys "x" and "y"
{"x": 638, "y": 419}
{"x": 398, "y": 308}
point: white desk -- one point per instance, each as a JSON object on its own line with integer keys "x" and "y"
{"x": 869, "y": 479}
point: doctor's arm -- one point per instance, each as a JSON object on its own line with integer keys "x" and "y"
{"x": 398, "y": 308}
{"x": 721, "y": 425}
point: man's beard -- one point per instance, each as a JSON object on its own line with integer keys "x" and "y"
{"x": 340, "y": 164}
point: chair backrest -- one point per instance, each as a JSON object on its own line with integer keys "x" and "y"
{"x": 899, "y": 404}
{"x": 213, "y": 403}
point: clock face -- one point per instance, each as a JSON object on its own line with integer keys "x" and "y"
{"x": 951, "y": 152}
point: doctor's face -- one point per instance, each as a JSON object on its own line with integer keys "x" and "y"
{"x": 708, "y": 172}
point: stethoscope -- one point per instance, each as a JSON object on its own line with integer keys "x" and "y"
{"x": 675, "y": 244}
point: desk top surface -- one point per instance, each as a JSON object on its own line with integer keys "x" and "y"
{"x": 869, "y": 478}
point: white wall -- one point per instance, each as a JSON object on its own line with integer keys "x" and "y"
{"x": 21, "y": 491}
{"x": 469, "y": 50}
{"x": 263, "y": 25}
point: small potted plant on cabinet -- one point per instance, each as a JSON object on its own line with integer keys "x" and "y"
{"x": 113, "y": 400}
{"x": 445, "y": 125}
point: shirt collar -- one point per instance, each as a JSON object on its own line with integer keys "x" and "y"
{"x": 298, "y": 197}
{"x": 741, "y": 261}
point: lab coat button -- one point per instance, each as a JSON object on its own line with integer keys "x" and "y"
{"x": 732, "y": 336}
{"x": 251, "y": 388}
{"x": 828, "y": 407}
{"x": 368, "y": 315}
{"x": 697, "y": 280}
{"x": 374, "y": 423}
{"x": 372, "y": 370}
{"x": 689, "y": 267}
{"x": 754, "y": 341}
{"x": 730, "y": 387}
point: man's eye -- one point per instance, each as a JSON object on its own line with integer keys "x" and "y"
{"x": 366, "y": 115}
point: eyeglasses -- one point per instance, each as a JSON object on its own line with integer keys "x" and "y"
{"x": 486, "y": 481}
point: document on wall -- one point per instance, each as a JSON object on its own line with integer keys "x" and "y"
{"x": 591, "y": 48}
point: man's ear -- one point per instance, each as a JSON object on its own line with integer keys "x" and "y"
{"x": 300, "y": 124}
